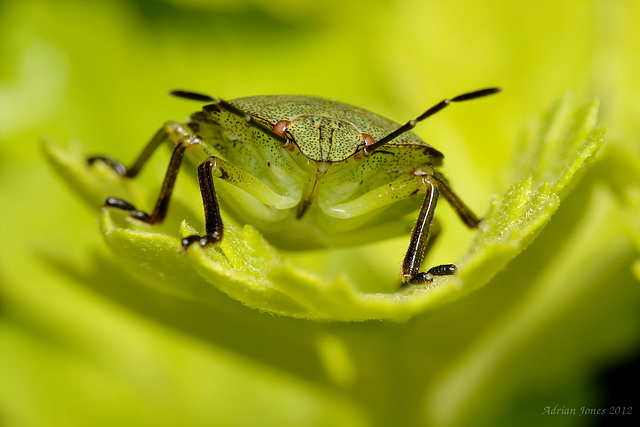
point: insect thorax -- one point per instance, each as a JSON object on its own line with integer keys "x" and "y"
{"x": 323, "y": 138}
{"x": 316, "y": 185}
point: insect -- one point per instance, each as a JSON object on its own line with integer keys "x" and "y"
{"x": 308, "y": 173}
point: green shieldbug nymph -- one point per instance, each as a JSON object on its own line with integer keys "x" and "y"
{"x": 308, "y": 173}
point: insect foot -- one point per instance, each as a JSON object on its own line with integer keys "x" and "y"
{"x": 438, "y": 270}
{"x": 203, "y": 241}
{"x": 443, "y": 270}
{"x": 118, "y": 167}
{"x": 114, "y": 202}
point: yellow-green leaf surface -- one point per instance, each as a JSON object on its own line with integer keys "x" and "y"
{"x": 247, "y": 268}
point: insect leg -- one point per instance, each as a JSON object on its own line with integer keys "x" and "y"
{"x": 421, "y": 241}
{"x": 420, "y": 234}
{"x": 161, "y": 136}
{"x": 162, "y": 205}
{"x": 245, "y": 181}
{"x": 463, "y": 211}
{"x": 377, "y": 198}
{"x": 215, "y": 167}
{"x": 213, "y": 221}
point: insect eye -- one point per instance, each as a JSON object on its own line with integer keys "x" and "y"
{"x": 280, "y": 128}
{"x": 367, "y": 139}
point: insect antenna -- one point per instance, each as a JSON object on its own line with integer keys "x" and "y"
{"x": 194, "y": 96}
{"x": 430, "y": 112}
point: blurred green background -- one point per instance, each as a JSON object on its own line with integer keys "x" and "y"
{"x": 79, "y": 348}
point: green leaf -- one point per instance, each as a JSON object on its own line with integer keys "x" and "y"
{"x": 248, "y": 269}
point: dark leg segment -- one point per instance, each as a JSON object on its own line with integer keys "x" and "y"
{"x": 421, "y": 242}
{"x": 162, "y": 205}
{"x": 213, "y": 221}
{"x": 419, "y": 236}
{"x": 134, "y": 169}
{"x": 463, "y": 211}
{"x": 434, "y": 232}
